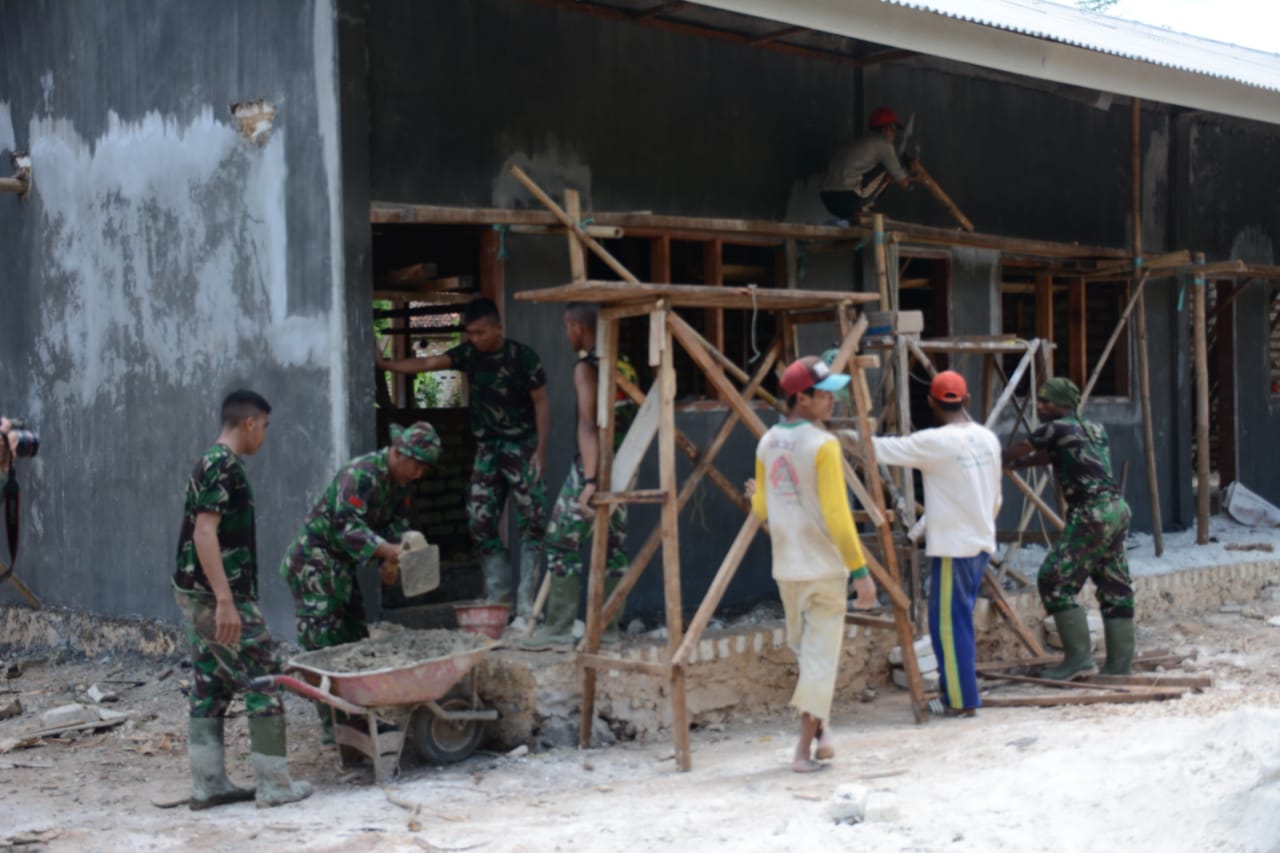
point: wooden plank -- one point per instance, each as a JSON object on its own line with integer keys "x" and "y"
{"x": 627, "y": 310}
{"x": 577, "y": 255}
{"x": 992, "y": 585}
{"x": 1151, "y": 657}
{"x": 696, "y": 295}
{"x": 1050, "y": 700}
{"x": 1077, "y": 323}
{"x": 1060, "y": 684}
{"x": 715, "y": 592}
{"x": 637, "y": 496}
{"x": 599, "y": 663}
{"x": 600, "y": 232}
{"x": 1200, "y": 343}
{"x": 660, "y": 259}
{"x": 1034, "y": 496}
{"x": 1011, "y": 387}
{"x": 918, "y": 173}
{"x": 626, "y": 462}
{"x": 1132, "y": 266}
{"x": 713, "y": 275}
{"x": 867, "y": 620}
{"x": 583, "y": 237}
{"x": 1197, "y": 682}
{"x": 657, "y": 334}
{"x": 670, "y": 526}
{"x": 412, "y": 274}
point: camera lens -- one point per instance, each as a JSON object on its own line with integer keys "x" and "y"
{"x": 28, "y": 443}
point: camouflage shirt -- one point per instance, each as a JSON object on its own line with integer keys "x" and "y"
{"x": 501, "y": 383}
{"x": 1081, "y": 458}
{"x": 360, "y": 509}
{"x": 220, "y": 485}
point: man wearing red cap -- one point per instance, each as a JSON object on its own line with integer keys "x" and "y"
{"x": 858, "y": 172}
{"x": 960, "y": 460}
{"x": 801, "y": 492}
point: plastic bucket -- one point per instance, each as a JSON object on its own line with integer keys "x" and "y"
{"x": 489, "y": 620}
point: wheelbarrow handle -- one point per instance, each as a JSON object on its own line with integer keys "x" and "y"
{"x": 302, "y": 688}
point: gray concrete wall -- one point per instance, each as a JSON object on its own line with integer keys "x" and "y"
{"x": 162, "y": 260}
{"x": 641, "y": 119}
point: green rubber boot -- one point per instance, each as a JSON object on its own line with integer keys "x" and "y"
{"x": 530, "y": 577}
{"x": 268, "y": 752}
{"x": 610, "y": 634}
{"x": 206, "y": 753}
{"x": 1119, "y": 633}
{"x": 562, "y": 609}
{"x": 1077, "y": 647}
{"x": 497, "y": 578}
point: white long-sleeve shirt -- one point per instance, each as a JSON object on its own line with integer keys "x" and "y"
{"x": 962, "y": 471}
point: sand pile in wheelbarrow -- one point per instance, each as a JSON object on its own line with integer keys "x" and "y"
{"x": 399, "y": 649}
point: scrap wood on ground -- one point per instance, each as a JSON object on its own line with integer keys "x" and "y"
{"x": 1089, "y": 689}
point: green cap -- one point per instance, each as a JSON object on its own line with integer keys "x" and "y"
{"x": 1060, "y": 391}
{"x": 419, "y": 442}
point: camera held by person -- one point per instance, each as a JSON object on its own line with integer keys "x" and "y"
{"x": 16, "y": 442}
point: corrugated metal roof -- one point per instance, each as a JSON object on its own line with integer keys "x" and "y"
{"x": 1117, "y": 36}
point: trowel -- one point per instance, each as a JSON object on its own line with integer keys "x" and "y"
{"x": 419, "y": 565}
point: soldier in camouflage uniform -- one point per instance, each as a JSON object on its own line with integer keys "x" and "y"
{"x": 216, "y": 587}
{"x": 511, "y": 419}
{"x": 1092, "y": 544}
{"x": 573, "y": 516}
{"x": 359, "y": 517}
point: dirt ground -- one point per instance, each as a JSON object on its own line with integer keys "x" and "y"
{"x": 1197, "y": 773}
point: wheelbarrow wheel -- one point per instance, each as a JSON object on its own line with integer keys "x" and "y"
{"x": 446, "y": 741}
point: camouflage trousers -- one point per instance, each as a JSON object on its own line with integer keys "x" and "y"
{"x": 570, "y": 526}
{"x": 219, "y": 671}
{"x": 505, "y": 468}
{"x": 1091, "y": 546}
{"x": 327, "y": 602}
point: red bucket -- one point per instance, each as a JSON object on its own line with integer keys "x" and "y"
{"x": 489, "y": 620}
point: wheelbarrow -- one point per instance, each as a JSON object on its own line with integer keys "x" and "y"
{"x": 374, "y": 710}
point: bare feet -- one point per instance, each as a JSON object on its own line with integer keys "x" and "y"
{"x": 807, "y": 765}
{"x": 826, "y": 746}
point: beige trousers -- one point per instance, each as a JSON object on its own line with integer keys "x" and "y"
{"x": 815, "y": 632}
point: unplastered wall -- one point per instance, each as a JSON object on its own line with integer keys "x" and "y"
{"x": 166, "y": 255}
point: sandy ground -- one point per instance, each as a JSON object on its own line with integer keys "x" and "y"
{"x": 1198, "y": 773}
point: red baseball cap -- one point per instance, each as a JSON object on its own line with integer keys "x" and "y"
{"x": 811, "y": 372}
{"x": 948, "y": 387}
{"x": 883, "y": 117}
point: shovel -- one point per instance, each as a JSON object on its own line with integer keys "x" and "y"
{"x": 419, "y": 565}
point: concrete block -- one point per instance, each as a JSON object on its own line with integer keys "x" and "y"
{"x": 740, "y": 644}
{"x": 779, "y": 637}
{"x": 881, "y": 808}
{"x": 68, "y": 715}
{"x": 923, "y": 646}
{"x": 849, "y": 803}
{"x": 757, "y": 642}
{"x": 722, "y": 646}
{"x": 706, "y": 650}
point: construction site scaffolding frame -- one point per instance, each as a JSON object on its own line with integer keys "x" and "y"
{"x": 667, "y": 329}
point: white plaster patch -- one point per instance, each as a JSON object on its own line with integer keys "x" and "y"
{"x": 7, "y": 140}
{"x": 324, "y": 35}
{"x": 164, "y": 254}
{"x": 554, "y": 166}
{"x": 1253, "y": 246}
{"x": 46, "y": 89}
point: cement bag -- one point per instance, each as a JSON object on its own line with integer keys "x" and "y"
{"x": 1250, "y": 508}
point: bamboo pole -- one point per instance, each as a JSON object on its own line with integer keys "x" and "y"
{"x": 607, "y": 347}
{"x": 670, "y": 525}
{"x": 1200, "y": 341}
{"x": 1134, "y": 298}
{"x": 1144, "y": 366}
{"x": 918, "y": 172}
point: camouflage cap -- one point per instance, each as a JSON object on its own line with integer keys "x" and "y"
{"x": 1060, "y": 391}
{"x": 419, "y": 442}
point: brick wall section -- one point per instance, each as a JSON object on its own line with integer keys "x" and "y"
{"x": 440, "y": 498}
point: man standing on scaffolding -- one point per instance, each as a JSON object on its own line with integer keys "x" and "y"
{"x": 861, "y": 171}
{"x": 1092, "y": 543}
